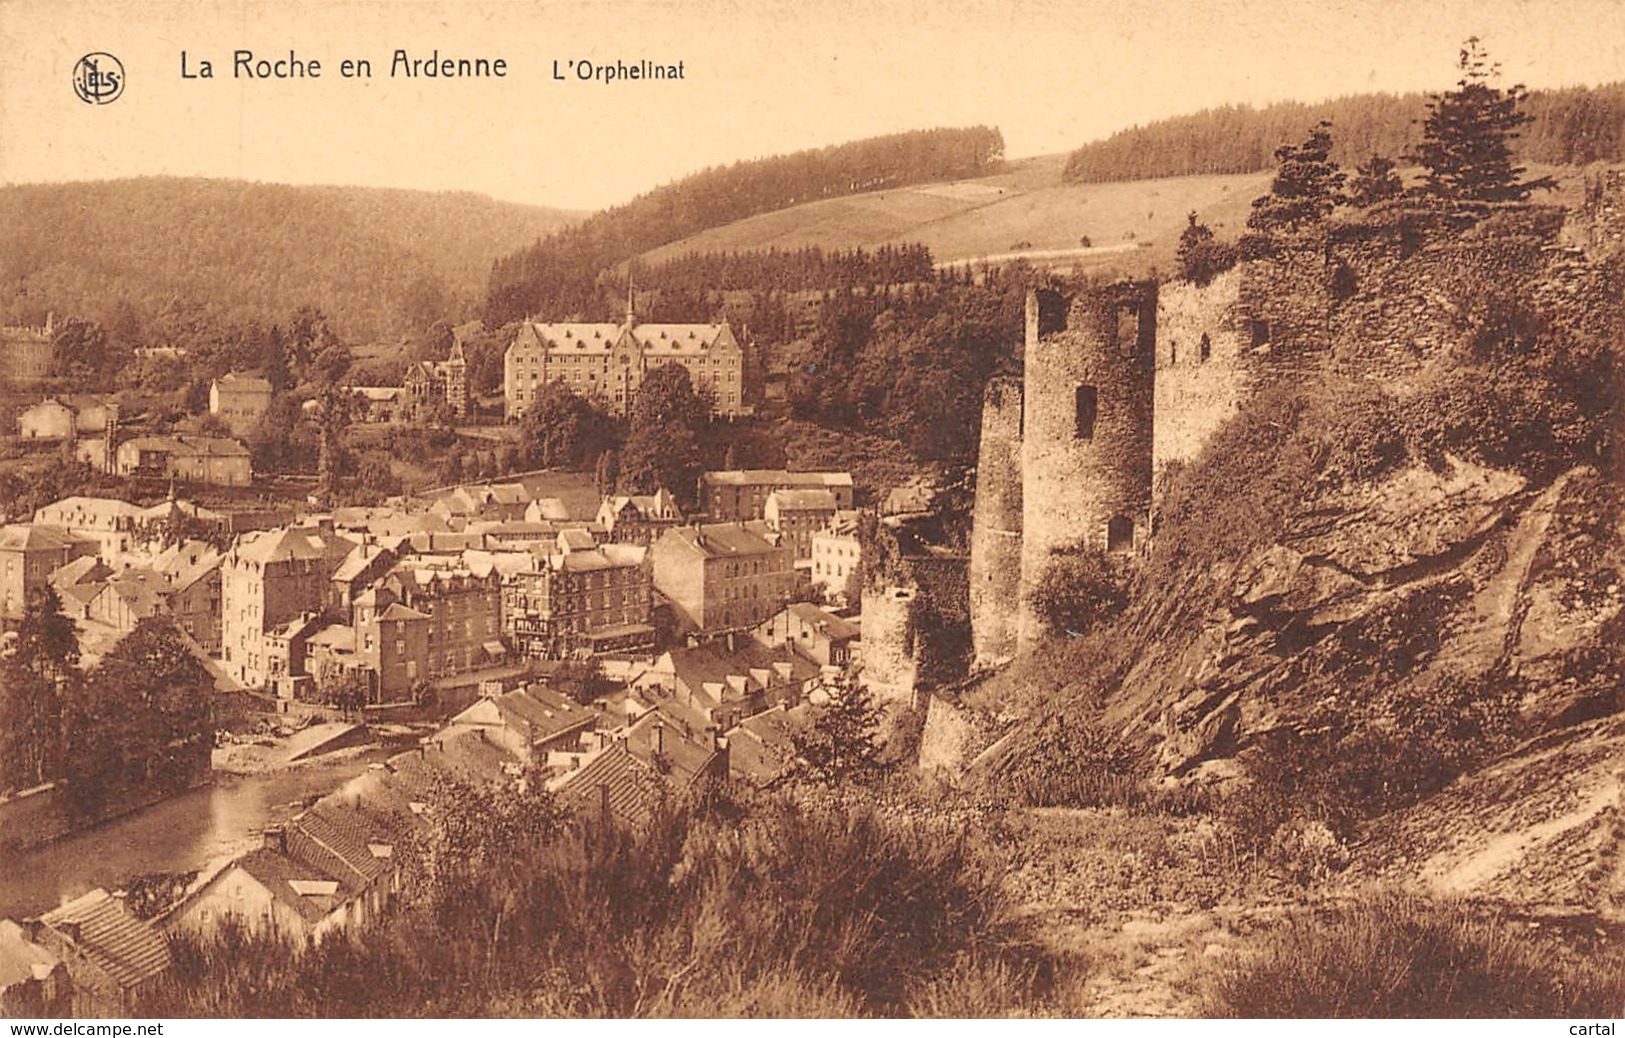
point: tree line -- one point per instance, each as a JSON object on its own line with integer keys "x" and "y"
{"x": 136, "y": 721}
{"x": 1572, "y": 126}
{"x": 560, "y": 275}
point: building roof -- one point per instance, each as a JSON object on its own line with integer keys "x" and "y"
{"x": 35, "y": 537}
{"x": 824, "y": 621}
{"x": 194, "y": 446}
{"x": 335, "y": 636}
{"x": 635, "y": 791}
{"x": 115, "y": 941}
{"x": 242, "y": 383}
{"x": 290, "y": 542}
{"x": 317, "y": 839}
{"x": 803, "y": 500}
{"x": 537, "y": 710}
{"x": 714, "y": 540}
{"x": 78, "y": 506}
{"x": 777, "y": 477}
{"x": 85, "y": 569}
{"x": 279, "y": 873}
{"x": 762, "y": 746}
{"x": 396, "y": 611}
{"x": 185, "y": 563}
{"x": 741, "y": 670}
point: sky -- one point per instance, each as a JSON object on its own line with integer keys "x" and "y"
{"x": 760, "y": 78}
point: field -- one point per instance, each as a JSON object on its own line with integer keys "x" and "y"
{"x": 1024, "y": 207}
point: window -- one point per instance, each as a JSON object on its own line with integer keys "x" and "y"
{"x": 1261, "y": 332}
{"x": 1120, "y": 533}
{"x": 1206, "y": 348}
{"x": 1085, "y": 409}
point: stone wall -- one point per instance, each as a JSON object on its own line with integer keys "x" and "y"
{"x": 889, "y": 667}
{"x": 1077, "y": 483}
{"x": 1203, "y": 369}
{"x": 995, "y": 562}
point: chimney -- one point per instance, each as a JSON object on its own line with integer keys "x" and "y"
{"x": 275, "y": 838}
{"x": 603, "y": 802}
{"x": 71, "y": 930}
{"x": 1031, "y": 339}
{"x": 660, "y": 737}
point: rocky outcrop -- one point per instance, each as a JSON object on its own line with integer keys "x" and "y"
{"x": 1426, "y": 575}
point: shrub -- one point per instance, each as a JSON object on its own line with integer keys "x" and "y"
{"x": 1403, "y": 956}
{"x": 1081, "y": 588}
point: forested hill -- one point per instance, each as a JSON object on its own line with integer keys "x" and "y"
{"x": 205, "y": 253}
{"x": 559, "y": 275}
{"x": 1571, "y": 126}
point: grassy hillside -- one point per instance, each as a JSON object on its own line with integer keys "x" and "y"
{"x": 380, "y": 263}
{"x": 1028, "y": 210}
{"x": 1023, "y": 208}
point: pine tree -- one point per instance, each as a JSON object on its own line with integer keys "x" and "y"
{"x": 843, "y": 742}
{"x": 1466, "y": 138}
{"x": 1308, "y": 185}
{"x": 1375, "y": 181}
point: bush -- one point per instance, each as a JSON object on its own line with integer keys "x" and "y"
{"x": 1402, "y": 956}
{"x": 765, "y": 907}
{"x": 1081, "y": 588}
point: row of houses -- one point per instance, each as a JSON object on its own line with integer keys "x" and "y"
{"x": 616, "y": 761}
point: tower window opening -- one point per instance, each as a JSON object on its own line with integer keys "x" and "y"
{"x": 1119, "y": 534}
{"x": 1085, "y": 409}
{"x": 1261, "y": 333}
{"x": 1206, "y": 347}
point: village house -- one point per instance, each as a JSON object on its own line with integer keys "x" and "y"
{"x": 386, "y": 644}
{"x": 267, "y": 579}
{"x": 29, "y": 554}
{"x": 580, "y": 600}
{"x": 66, "y": 417}
{"x": 813, "y": 633}
{"x": 743, "y": 494}
{"x": 191, "y": 575}
{"x": 722, "y": 577}
{"x": 430, "y": 384}
{"x": 720, "y": 687}
{"x": 112, "y": 958}
{"x": 609, "y": 362}
{"x": 240, "y": 401}
{"x": 195, "y": 459}
{"x": 320, "y": 874}
{"x": 379, "y": 404}
{"x": 26, "y": 352}
{"x": 464, "y": 611}
{"x": 837, "y": 558}
{"x": 795, "y": 515}
{"x": 121, "y": 528}
{"x": 529, "y": 722}
{"x": 639, "y": 519}
{"x": 761, "y": 748}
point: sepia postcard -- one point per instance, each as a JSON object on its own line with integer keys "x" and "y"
{"x": 647, "y": 509}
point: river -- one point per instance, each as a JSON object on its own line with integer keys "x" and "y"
{"x": 180, "y": 834}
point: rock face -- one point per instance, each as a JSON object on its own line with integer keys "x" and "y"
{"x": 1424, "y": 576}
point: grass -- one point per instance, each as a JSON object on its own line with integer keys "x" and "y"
{"x": 764, "y": 906}
{"x": 1025, "y": 203}
{"x": 1398, "y": 955}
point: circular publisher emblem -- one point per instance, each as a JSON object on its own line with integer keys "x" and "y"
{"x": 98, "y": 78}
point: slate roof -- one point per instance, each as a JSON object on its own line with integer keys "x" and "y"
{"x": 824, "y": 621}
{"x": 804, "y": 500}
{"x": 726, "y": 539}
{"x": 782, "y": 477}
{"x": 115, "y": 941}
{"x": 34, "y": 537}
{"x": 634, "y": 790}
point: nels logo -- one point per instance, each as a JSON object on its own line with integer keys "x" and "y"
{"x": 98, "y": 78}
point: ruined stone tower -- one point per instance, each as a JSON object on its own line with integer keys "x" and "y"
{"x": 995, "y": 557}
{"x": 1086, "y": 443}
